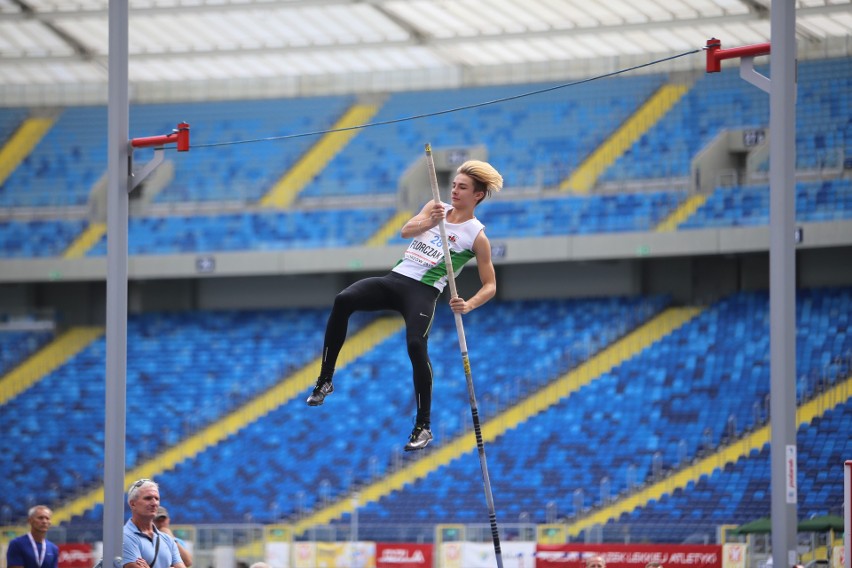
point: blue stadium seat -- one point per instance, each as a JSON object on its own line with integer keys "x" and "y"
{"x": 829, "y": 200}
{"x": 259, "y": 141}
{"x": 274, "y": 230}
{"x": 531, "y": 144}
{"x": 38, "y": 238}
{"x": 64, "y": 166}
{"x": 17, "y": 346}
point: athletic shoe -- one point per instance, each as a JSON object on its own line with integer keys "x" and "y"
{"x": 322, "y": 390}
{"x": 419, "y": 439}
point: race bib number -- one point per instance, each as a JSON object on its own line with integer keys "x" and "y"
{"x": 425, "y": 253}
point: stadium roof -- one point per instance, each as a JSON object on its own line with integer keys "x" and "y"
{"x": 63, "y": 43}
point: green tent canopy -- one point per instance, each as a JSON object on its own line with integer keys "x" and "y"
{"x": 763, "y": 525}
{"x": 760, "y": 526}
{"x": 824, "y": 523}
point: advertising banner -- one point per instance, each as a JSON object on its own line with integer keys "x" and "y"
{"x": 629, "y": 555}
{"x": 481, "y": 555}
{"x": 334, "y": 555}
{"x": 396, "y": 555}
{"x": 451, "y": 554}
{"x": 278, "y": 554}
{"x": 304, "y": 554}
{"x": 734, "y": 555}
{"x": 838, "y": 557}
{"x": 75, "y": 556}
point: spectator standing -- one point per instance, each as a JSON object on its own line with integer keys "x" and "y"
{"x": 33, "y": 550}
{"x": 163, "y": 524}
{"x": 144, "y": 545}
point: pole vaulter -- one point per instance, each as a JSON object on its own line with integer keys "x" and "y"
{"x": 451, "y": 282}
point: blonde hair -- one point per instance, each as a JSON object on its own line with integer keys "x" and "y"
{"x": 485, "y": 177}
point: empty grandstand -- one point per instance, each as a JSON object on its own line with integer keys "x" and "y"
{"x": 622, "y": 371}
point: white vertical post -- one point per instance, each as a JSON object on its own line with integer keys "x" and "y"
{"x": 782, "y": 283}
{"x": 116, "y": 302}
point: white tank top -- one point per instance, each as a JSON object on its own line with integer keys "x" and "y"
{"x": 424, "y": 258}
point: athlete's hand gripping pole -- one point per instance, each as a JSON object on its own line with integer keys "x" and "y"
{"x": 451, "y": 281}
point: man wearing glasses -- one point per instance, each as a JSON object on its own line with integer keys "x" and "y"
{"x": 144, "y": 545}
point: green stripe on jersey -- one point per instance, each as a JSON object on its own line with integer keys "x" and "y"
{"x": 440, "y": 270}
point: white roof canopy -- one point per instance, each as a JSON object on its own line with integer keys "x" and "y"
{"x": 64, "y": 42}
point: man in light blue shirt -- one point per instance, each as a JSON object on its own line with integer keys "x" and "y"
{"x": 144, "y": 545}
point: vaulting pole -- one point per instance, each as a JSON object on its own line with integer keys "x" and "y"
{"x": 451, "y": 281}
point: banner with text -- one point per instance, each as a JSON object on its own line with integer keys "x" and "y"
{"x": 515, "y": 554}
{"x": 334, "y": 555}
{"x": 402, "y": 555}
{"x": 75, "y": 556}
{"x": 629, "y": 555}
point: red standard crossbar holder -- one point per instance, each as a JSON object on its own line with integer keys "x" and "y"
{"x": 180, "y": 136}
{"x": 746, "y": 54}
{"x": 715, "y": 53}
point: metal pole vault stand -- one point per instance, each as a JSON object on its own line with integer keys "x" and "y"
{"x": 782, "y": 263}
{"x": 120, "y": 181}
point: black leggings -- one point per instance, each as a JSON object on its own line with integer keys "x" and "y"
{"x": 416, "y": 303}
